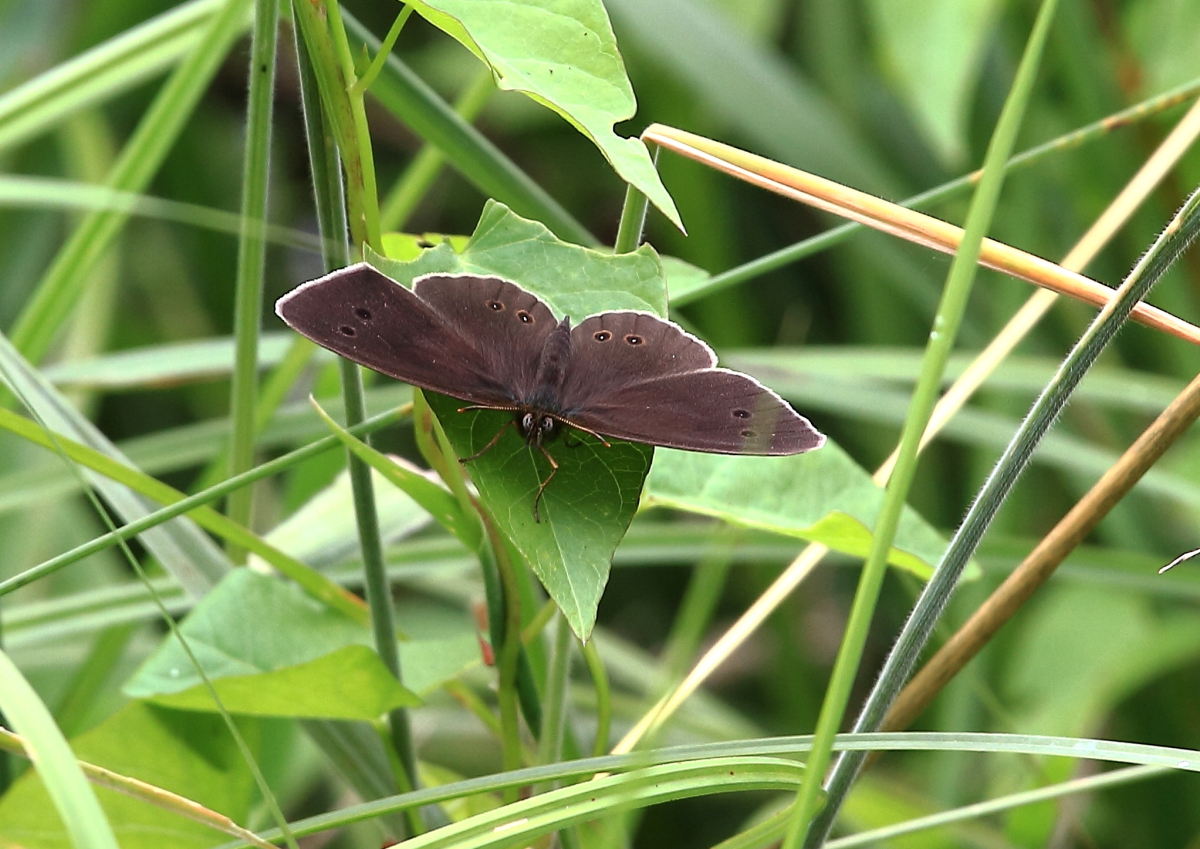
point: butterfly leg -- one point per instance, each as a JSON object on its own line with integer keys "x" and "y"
{"x": 543, "y": 485}
{"x": 487, "y": 447}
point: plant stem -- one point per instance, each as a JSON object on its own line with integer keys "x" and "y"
{"x": 252, "y": 247}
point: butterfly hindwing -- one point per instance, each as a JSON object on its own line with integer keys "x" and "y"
{"x": 636, "y": 376}
{"x": 712, "y": 409}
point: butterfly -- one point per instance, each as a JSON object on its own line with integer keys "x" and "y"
{"x": 623, "y": 374}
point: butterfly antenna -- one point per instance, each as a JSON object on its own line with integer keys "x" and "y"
{"x": 586, "y": 430}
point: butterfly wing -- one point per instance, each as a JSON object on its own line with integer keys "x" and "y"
{"x": 507, "y": 325}
{"x": 638, "y": 377}
{"x": 366, "y": 317}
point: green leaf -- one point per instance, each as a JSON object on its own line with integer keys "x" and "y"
{"x": 584, "y": 511}
{"x": 572, "y": 280}
{"x": 1087, "y": 648}
{"x": 563, "y": 55}
{"x": 270, "y": 650}
{"x": 822, "y": 496}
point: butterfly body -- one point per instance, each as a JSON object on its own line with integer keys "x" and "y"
{"x": 624, "y": 374}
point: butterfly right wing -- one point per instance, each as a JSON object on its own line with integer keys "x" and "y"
{"x": 639, "y": 377}
{"x": 367, "y": 317}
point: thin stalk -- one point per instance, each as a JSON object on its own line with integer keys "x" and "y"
{"x": 252, "y": 248}
{"x": 941, "y": 340}
{"x": 507, "y": 661}
{"x": 474, "y": 705}
{"x": 378, "y": 590}
{"x": 186, "y": 505}
{"x": 361, "y": 86}
{"x": 633, "y": 214}
{"x": 824, "y": 241}
{"x": 554, "y": 707}
{"x": 323, "y": 155}
{"x": 361, "y": 190}
{"x": 480, "y": 162}
{"x": 934, "y": 597}
{"x": 555, "y": 713}
{"x": 534, "y": 627}
{"x": 595, "y": 666}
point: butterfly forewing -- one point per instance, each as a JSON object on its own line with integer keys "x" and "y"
{"x": 506, "y": 325}
{"x": 368, "y": 318}
{"x": 614, "y": 349}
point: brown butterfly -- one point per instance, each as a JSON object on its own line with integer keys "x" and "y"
{"x": 624, "y": 374}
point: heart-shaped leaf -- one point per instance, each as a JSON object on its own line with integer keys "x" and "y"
{"x": 822, "y": 496}
{"x": 584, "y": 509}
{"x": 270, "y": 650}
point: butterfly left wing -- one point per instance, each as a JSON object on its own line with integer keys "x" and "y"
{"x": 635, "y": 376}
{"x": 507, "y": 325}
{"x": 369, "y": 318}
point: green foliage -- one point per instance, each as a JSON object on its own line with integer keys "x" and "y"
{"x": 123, "y": 139}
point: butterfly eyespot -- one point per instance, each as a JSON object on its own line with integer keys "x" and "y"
{"x": 749, "y": 434}
{"x": 741, "y": 414}
{"x": 363, "y": 313}
{"x": 634, "y": 339}
{"x": 347, "y": 330}
{"x": 495, "y": 306}
{"x": 525, "y": 317}
{"x": 601, "y": 335}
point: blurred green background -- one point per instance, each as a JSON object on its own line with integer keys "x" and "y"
{"x": 889, "y": 97}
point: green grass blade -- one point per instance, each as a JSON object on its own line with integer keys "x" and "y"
{"x": 56, "y": 764}
{"x": 140, "y": 159}
{"x": 941, "y": 339}
{"x": 102, "y": 72}
{"x": 252, "y": 246}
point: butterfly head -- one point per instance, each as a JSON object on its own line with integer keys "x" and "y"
{"x": 537, "y": 427}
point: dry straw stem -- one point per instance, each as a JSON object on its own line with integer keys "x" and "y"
{"x": 1155, "y": 168}
{"x": 896, "y": 220}
{"x": 148, "y": 793}
{"x": 1045, "y": 558}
